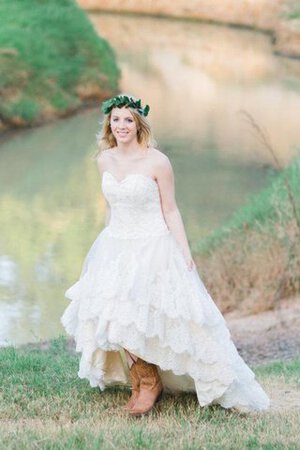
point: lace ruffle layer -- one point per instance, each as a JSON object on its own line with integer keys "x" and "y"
{"x": 138, "y": 294}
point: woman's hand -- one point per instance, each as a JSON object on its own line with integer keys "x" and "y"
{"x": 189, "y": 261}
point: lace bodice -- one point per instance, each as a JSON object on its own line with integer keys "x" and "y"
{"x": 135, "y": 206}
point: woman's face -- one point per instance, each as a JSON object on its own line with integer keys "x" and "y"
{"x": 123, "y": 125}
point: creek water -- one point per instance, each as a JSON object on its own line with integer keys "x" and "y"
{"x": 196, "y": 78}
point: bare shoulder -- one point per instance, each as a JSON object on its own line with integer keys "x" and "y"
{"x": 104, "y": 158}
{"x": 158, "y": 157}
{"x": 161, "y": 162}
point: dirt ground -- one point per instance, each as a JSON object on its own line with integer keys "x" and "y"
{"x": 268, "y": 336}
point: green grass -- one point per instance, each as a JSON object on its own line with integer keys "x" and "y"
{"x": 294, "y": 15}
{"x": 290, "y": 370}
{"x": 291, "y": 10}
{"x": 44, "y": 405}
{"x": 259, "y": 210}
{"x": 47, "y": 50}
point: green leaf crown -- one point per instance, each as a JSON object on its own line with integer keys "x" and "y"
{"x": 123, "y": 100}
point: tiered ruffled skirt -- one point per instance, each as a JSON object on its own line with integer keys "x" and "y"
{"x": 138, "y": 294}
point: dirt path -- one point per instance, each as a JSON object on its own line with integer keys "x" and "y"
{"x": 269, "y": 336}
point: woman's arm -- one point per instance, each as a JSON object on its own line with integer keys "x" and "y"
{"x": 165, "y": 180}
{"x": 101, "y": 161}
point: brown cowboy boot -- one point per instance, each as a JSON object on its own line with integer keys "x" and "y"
{"x": 135, "y": 384}
{"x": 150, "y": 388}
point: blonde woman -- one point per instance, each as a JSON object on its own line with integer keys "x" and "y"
{"x": 139, "y": 298}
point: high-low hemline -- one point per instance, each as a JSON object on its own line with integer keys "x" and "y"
{"x": 135, "y": 292}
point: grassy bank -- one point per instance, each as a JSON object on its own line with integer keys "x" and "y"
{"x": 43, "y": 404}
{"x": 254, "y": 259}
{"x": 51, "y": 61}
{"x": 294, "y": 15}
{"x": 293, "y": 9}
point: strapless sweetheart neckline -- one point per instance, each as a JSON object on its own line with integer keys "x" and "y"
{"x": 147, "y": 177}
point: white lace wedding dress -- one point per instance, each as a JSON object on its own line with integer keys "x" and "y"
{"x": 136, "y": 292}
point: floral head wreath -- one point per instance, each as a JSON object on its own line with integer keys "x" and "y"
{"x": 123, "y": 100}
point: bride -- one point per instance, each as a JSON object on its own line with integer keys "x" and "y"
{"x": 139, "y": 299}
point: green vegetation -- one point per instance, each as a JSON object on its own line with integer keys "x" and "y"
{"x": 255, "y": 257}
{"x": 292, "y": 9}
{"x": 51, "y": 60}
{"x": 43, "y": 404}
{"x": 294, "y": 15}
{"x": 290, "y": 371}
{"x": 263, "y": 209}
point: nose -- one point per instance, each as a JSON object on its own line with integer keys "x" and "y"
{"x": 122, "y": 124}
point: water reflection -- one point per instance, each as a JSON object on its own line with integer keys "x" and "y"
{"x": 199, "y": 76}
{"x": 50, "y": 198}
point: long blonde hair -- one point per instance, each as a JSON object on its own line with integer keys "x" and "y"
{"x": 106, "y": 139}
